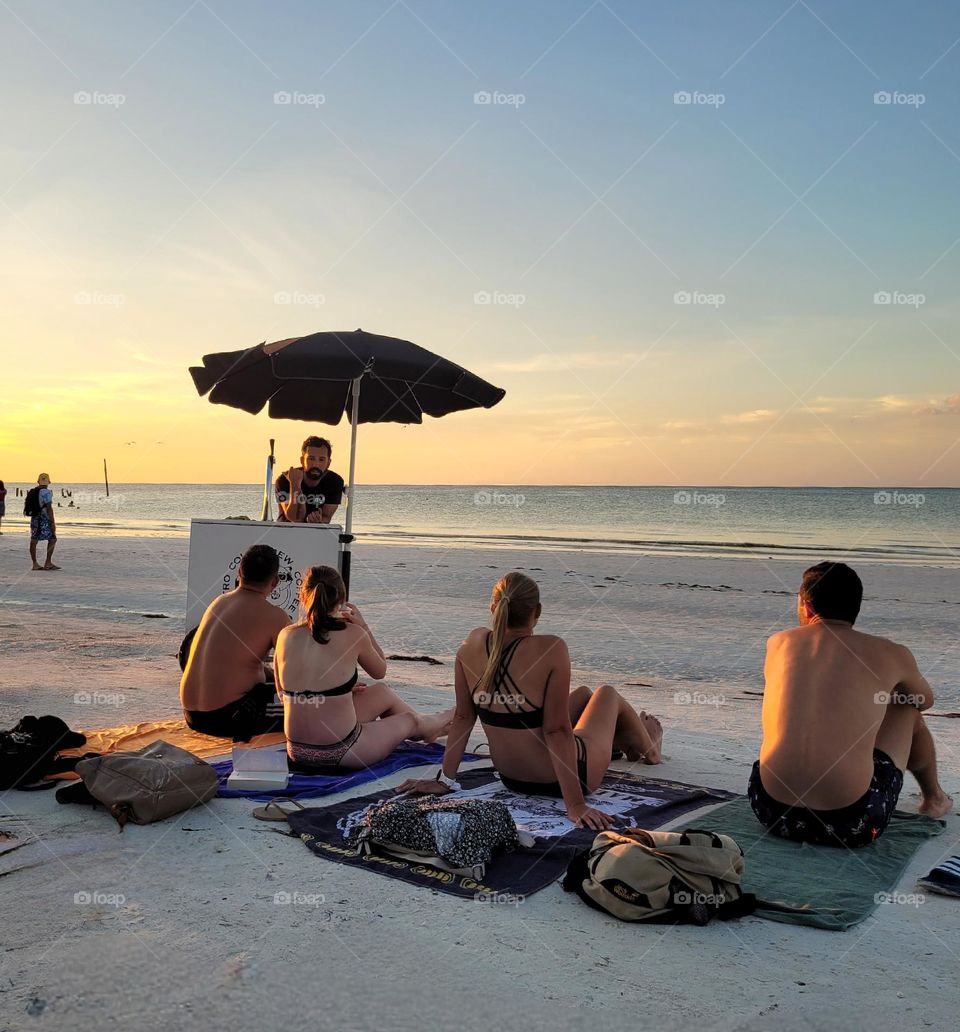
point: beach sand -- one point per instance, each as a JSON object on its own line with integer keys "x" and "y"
{"x": 197, "y": 940}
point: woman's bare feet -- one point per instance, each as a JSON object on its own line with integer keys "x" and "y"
{"x": 936, "y": 806}
{"x": 647, "y": 747}
{"x": 431, "y": 726}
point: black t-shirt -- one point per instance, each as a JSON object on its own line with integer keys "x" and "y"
{"x": 327, "y": 491}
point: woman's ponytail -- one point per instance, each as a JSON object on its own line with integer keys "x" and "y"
{"x": 321, "y": 593}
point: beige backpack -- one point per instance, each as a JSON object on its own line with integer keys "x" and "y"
{"x": 150, "y": 784}
{"x": 639, "y": 875}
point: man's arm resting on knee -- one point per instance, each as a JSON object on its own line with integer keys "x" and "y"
{"x": 912, "y": 689}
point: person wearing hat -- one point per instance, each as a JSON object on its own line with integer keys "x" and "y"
{"x": 43, "y": 526}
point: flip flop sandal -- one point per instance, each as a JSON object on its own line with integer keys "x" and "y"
{"x": 273, "y": 811}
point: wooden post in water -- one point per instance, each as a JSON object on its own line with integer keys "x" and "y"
{"x": 106, "y": 483}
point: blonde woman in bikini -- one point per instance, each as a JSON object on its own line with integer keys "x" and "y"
{"x": 329, "y": 719}
{"x": 544, "y": 738}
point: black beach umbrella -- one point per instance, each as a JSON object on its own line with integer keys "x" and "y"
{"x": 324, "y": 376}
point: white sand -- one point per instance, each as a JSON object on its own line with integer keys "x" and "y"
{"x": 197, "y": 941}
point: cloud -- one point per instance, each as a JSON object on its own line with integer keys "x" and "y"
{"x": 948, "y": 407}
{"x": 760, "y": 415}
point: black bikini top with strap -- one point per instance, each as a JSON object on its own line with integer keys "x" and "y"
{"x": 520, "y": 712}
{"x": 341, "y": 689}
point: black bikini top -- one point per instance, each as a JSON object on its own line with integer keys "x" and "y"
{"x": 341, "y": 689}
{"x": 520, "y": 712}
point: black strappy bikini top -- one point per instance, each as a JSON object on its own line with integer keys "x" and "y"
{"x": 520, "y": 712}
{"x": 341, "y": 689}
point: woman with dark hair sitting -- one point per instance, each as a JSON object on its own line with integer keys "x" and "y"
{"x": 544, "y": 739}
{"x": 329, "y": 720}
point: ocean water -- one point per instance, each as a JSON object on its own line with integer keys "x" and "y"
{"x": 894, "y": 524}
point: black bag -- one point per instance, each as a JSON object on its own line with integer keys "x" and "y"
{"x": 31, "y": 503}
{"x": 28, "y": 752}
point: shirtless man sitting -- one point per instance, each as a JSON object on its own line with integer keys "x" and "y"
{"x": 841, "y": 723}
{"x": 224, "y": 690}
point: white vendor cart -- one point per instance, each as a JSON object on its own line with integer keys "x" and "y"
{"x": 217, "y": 545}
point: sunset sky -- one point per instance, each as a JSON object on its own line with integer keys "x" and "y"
{"x": 758, "y": 286}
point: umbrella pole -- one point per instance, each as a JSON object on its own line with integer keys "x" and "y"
{"x": 346, "y": 538}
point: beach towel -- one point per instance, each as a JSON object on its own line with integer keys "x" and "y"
{"x": 509, "y": 878}
{"x": 311, "y": 786}
{"x": 821, "y": 886}
{"x": 131, "y": 737}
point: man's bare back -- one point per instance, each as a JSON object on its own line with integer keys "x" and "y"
{"x": 828, "y": 689}
{"x": 226, "y": 660}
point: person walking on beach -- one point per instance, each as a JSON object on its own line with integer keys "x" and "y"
{"x": 312, "y": 492}
{"x": 3, "y": 503}
{"x": 225, "y": 690}
{"x": 544, "y": 738}
{"x": 38, "y": 505}
{"x": 841, "y": 723}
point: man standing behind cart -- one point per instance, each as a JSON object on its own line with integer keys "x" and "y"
{"x": 311, "y": 493}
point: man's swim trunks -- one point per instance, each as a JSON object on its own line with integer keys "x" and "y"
{"x": 40, "y": 529}
{"x": 855, "y": 825}
{"x": 259, "y": 712}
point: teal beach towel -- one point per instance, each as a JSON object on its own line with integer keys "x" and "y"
{"x": 821, "y": 886}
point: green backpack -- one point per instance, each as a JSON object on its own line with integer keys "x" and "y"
{"x": 662, "y": 876}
